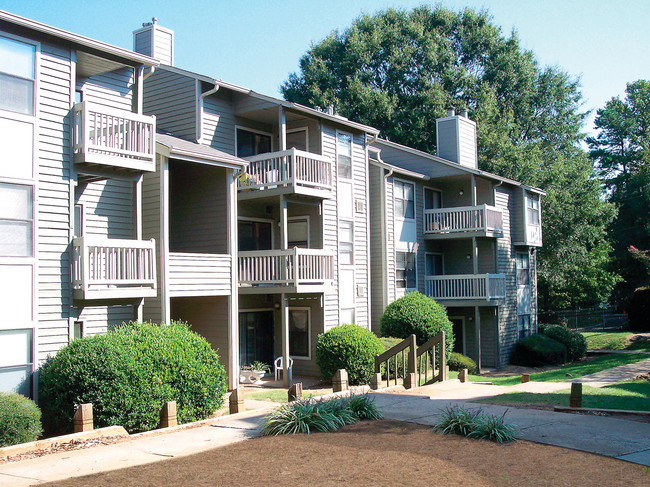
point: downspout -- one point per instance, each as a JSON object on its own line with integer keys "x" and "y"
{"x": 384, "y": 237}
{"x": 496, "y": 267}
{"x": 199, "y": 109}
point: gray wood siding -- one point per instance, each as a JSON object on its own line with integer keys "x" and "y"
{"x": 142, "y": 43}
{"x": 152, "y": 228}
{"x": 467, "y": 143}
{"x": 518, "y": 227}
{"x": 218, "y": 126}
{"x": 100, "y": 319}
{"x": 361, "y": 257}
{"x": 390, "y": 243}
{"x": 446, "y": 143}
{"x": 112, "y": 89}
{"x": 199, "y": 274}
{"x": 52, "y": 211}
{"x": 108, "y": 208}
{"x": 171, "y": 98}
{"x": 377, "y": 265}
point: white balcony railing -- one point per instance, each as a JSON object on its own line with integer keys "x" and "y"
{"x": 466, "y": 286}
{"x": 105, "y": 268}
{"x": 293, "y": 267}
{"x": 287, "y": 168}
{"x": 483, "y": 218}
{"x": 114, "y": 137}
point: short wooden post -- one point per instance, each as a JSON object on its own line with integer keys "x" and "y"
{"x": 168, "y": 415}
{"x": 83, "y": 418}
{"x": 375, "y": 382}
{"x": 410, "y": 377}
{"x": 575, "y": 399}
{"x": 237, "y": 401}
{"x": 295, "y": 392}
{"x": 462, "y": 375}
{"x": 444, "y": 369}
{"x": 340, "y": 380}
{"x": 525, "y": 378}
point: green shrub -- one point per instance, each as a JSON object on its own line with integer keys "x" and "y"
{"x": 458, "y": 361}
{"x": 20, "y": 419}
{"x": 639, "y": 310}
{"x": 538, "y": 349}
{"x": 348, "y": 347}
{"x": 575, "y": 342}
{"x": 419, "y": 315}
{"x": 474, "y": 423}
{"x": 129, "y": 373}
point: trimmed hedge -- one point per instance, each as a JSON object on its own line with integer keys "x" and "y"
{"x": 639, "y": 309}
{"x": 458, "y": 361}
{"x": 348, "y": 347}
{"x": 536, "y": 350}
{"x": 129, "y": 373}
{"x": 416, "y": 314}
{"x": 575, "y": 342}
{"x": 20, "y": 419}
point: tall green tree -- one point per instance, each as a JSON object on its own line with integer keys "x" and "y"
{"x": 621, "y": 153}
{"x": 399, "y": 70}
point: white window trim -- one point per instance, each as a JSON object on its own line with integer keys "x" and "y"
{"x": 461, "y": 318}
{"x": 424, "y": 199}
{"x": 415, "y": 266}
{"x": 255, "y": 131}
{"x": 71, "y": 322}
{"x": 441, "y": 254}
{"x": 301, "y": 129}
{"x": 302, "y": 217}
{"x": 308, "y": 309}
{"x": 263, "y": 220}
{"x": 518, "y": 268}
{"x": 21, "y": 116}
{"x": 399, "y": 217}
{"x": 338, "y": 176}
{"x": 338, "y": 231}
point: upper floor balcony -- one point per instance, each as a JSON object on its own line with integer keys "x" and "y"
{"x": 104, "y": 268}
{"x": 290, "y": 171}
{"x": 458, "y": 290}
{"x": 294, "y": 270}
{"x": 464, "y": 221}
{"x": 114, "y": 139}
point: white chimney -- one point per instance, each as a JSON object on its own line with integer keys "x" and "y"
{"x": 456, "y": 139}
{"x": 155, "y": 41}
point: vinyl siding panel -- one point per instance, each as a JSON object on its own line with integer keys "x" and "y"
{"x": 446, "y": 143}
{"x": 152, "y": 228}
{"x": 361, "y": 257}
{"x": 218, "y": 127}
{"x": 112, "y": 89}
{"x": 330, "y": 232}
{"x": 171, "y": 97}
{"x": 109, "y": 208}
{"x": 378, "y": 278}
{"x": 100, "y": 319}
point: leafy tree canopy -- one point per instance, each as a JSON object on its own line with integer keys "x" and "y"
{"x": 399, "y": 71}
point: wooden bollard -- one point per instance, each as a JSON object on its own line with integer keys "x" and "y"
{"x": 168, "y": 415}
{"x": 375, "y": 382}
{"x": 340, "y": 380}
{"x": 575, "y": 399}
{"x": 525, "y": 378}
{"x": 83, "y": 418}
{"x": 462, "y": 375}
{"x": 295, "y": 392}
{"x": 237, "y": 401}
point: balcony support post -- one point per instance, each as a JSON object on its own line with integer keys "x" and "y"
{"x": 284, "y": 308}
{"x": 477, "y": 333}
{"x": 282, "y": 128}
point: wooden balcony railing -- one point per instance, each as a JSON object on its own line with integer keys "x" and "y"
{"x": 287, "y": 168}
{"x": 293, "y": 267}
{"x": 105, "y": 268}
{"x": 115, "y": 138}
{"x": 483, "y": 218}
{"x": 466, "y": 286}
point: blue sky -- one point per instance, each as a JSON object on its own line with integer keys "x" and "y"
{"x": 257, "y": 44}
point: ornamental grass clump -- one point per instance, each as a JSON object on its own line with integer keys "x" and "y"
{"x": 474, "y": 423}
{"x": 311, "y": 415}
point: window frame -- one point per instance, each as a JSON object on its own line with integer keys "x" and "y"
{"x": 442, "y": 258}
{"x": 31, "y": 221}
{"x": 403, "y": 182}
{"x": 424, "y": 197}
{"x": 533, "y": 209}
{"x": 253, "y": 131}
{"x": 309, "y": 328}
{"x": 351, "y": 242}
{"x": 298, "y": 218}
{"x": 34, "y": 108}
{"x": 519, "y": 267}
{"x": 415, "y": 271}
{"x": 256, "y": 220}
{"x": 351, "y": 156}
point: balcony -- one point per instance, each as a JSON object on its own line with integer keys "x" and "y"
{"x": 291, "y": 271}
{"x": 465, "y": 221}
{"x": 196, "y": 274}
{"x": 115, "y": 139}
{"x": 459, "y": 289}
{"x": 105, "y": 268}
{"x": 290, "y": 171}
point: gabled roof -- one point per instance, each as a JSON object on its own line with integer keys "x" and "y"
{"x": 439, "y": 160}
{"x": 123, "y": 54}
{"x": 193, "y": 152}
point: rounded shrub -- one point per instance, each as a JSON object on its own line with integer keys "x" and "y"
{"x": 419, "y": 315}
{"x": 536, "y": 350}
{"x": 129, "y": 373}
{"x": 639, "y": 309}
{"x": 20, "y": 419}
{"x": 575, "y": 342}
{"x": 458, "y": 361}
{"x": 348, "y": 347}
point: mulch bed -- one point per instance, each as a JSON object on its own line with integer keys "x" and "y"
{"x": 378, "y": 453}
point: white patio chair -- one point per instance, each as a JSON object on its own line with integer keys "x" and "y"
{"x": 279, "y": 367}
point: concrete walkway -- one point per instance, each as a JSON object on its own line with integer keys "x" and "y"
{"x": 616, "y": 374}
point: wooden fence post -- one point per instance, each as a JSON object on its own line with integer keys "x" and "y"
{"x": 410, "y": 377}
{"x": 340, "y": 380}
{"x": 295, "y": 392}
{"x": 83, "y": 418}
{"x": 168, "y": 415}
{"x": 575, "y": 399}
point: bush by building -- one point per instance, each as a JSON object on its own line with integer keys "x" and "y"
{"x": 129, "y": 373}
{"x": 20, "y": 419}
{"x": 639, "y": 310}
{"x": 537, "y": 350}
{"x": 575, "y": 342}
{"x": 458, "y": 361}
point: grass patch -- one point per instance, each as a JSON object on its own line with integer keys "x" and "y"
{"x": 575, "y": 370}
{"x": 630, "y": 395}
{"x": 620, "y": 340}
{"x": 278, "y": 395}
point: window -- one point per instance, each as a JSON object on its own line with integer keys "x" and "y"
{"x": 299, "y": 332}
{"x": 346, "y": 242}
{"x": 434, "y": 264}
{"x": 523, "y": 325}
{"x": 532, "y": 209}
{"x": 346, "y": 316}
{"x": 78, "y": 220}
{"x": 344, "y": 152}
{"x": 298, "y": 232}
{"x": 17, "y": 74}
{"x": 404, "y": 199}
{"x": 297, "y": 138}
{"x": 16, "y": 220}
{"x": 405, "y": 270}
{"x": 432, "y": 199}
{"x": 254, "y": 235}
{"x": 346, "y": 296}
{"x": 16, "y": 361}
{"x": 523, "y": 276}
{"x": 252, "y": 143}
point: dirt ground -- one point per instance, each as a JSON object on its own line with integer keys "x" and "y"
{"x": 378, "y": 453}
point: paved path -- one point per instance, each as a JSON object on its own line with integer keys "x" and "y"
{"x": 616, "y": 374}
